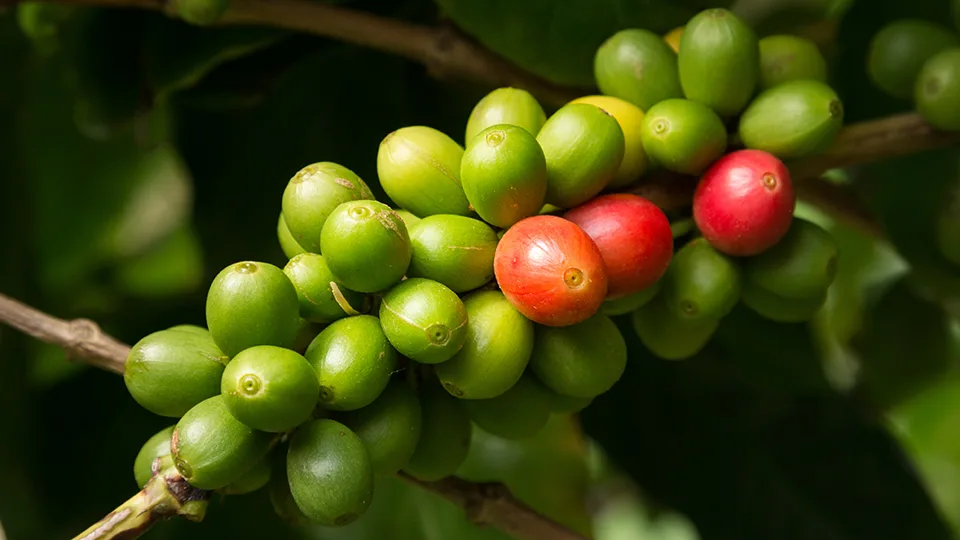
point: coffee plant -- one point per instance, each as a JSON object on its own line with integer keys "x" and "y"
{"x": 660, "y": 270}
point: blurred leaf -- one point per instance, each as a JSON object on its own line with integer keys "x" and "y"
{"x": 49, "y": 365}
{"x": 173, "y": 266}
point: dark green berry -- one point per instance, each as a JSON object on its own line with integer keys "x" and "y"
{"x": 701, "y": 283}
{"x": 453, "y": 250}
{"x": 156, "y": 446}
{"x": 444, "y": 437}
{"x": 424, "y": 320}
{"x": 582, "y": 360}
{"x": 518, "y": 413}
{"x": 389, "y": 427}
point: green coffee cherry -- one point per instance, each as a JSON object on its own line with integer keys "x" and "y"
{"x": 444, "y": 437}
{"x": 937, "y": 93}
{"x": 353, "y": 361}
{"x": 327, "y": 453}
{"x": 453, "y": 250}
{"x": 170, "y": 371}
{"x": 389, "y": 427}
{"x": 719, "y": 61}
{"x": 424, "y": 320}
{"x": 288, "y": 244}
{"x": 518, "y": 413}
{"x": 785, "y": 58}
{"x": 193, "y": 329}
{"x": 504, "y": 174}
{"x": 583, "y": 146}
{"x": 366, "y": 246}
{"x": 630, "y": 119}
{"x": 701, "y": 283}
{"x": 779, "y": 308}
{"x": 252, "y": 480}
{"x": 792, "y": 120}
{"x": 419, "y": 169}
{"x": 948, "y": 228}
{"x": 252, "y": 303}
{"x": 201, "y": 12}
{"x": 582, "y": 360}
{"x": 313, "y": 194}
{"x": 211, "y": 448}
{"x": 561, "y": 404}
{"x": 270, "y": 388}
{"x": 669, "y": 336}
{"x": 322, "y": 299}
{"x": 637, "y": 66}
{"x": 156, "y": 446}
{"x": 499, "y": 341}
{"x": 512, "y": 106}
{"x": 409, "y": 219}
{"x": 683, "y": 136}
{"x": 802, "y": 265}
{"x": 278, "y": 489}
{"x": 899, "y": 50}
{"x": 631, "y": 302}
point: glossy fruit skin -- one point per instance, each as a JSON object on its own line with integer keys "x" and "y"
{"x": 419, "y": 169}
{"x": 504, "y": 174}
{"x": 779, "y": 308}
{"x": 633, "y": 236}
{"x": 583, "y": 146}
{"x": 193, "y": 329}
{"x": 270, "y": 388}
{"x": 252, "y": 480}
{"x": 744, "y": 203}
{"x": 802, "y": 265}
{"x": 389, "y": 427}
{"x": 506, "y": 105}
{"x": 456, "y": 251}
{"x": 637, "y": 66}
{"x": 719, "y": 61}
{"x": 312, "y": 194}
{"x": 444, "y": 437}
{"x": 495, "y": 353}
{"x": 518, "y": 413}
{"x": 424, "y": 320}
{"x": 630, "y": 118}
{"x": 668, "y": 336}
{"x": 673, "y": 38}
{"x": 785, "y": 58}
{"x": 792, "y": 120}
{"x": 702, "y": 283}
{"x": 252, "y": 303}
{"x": 288, "y": 244}
{"x": 169, "y": 371}
{"x": 326, "y": 453}
{"x": 322, "y": 299}
{"x": 683, "y": 136}
{"x": 551, "y": 271}
{"x": 583, "y": 360}
{"x": 353, "y": 362}
{"x": 937, "y": 93}
{"x": 211, "y": 448}
{"x": 367, "y": 246}
{"x": 631, "y": 302}
{"x": 899, "y": 50}
{"x": 158, "y": 445}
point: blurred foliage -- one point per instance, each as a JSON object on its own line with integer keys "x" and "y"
{"x": 142, "y": 155}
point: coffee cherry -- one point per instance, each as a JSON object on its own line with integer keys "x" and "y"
{"x": 559, "y": 403}
{"x": 792, "y": 120}
{"x": 631, "y": 302}
{"x": 701, "y": 283}
{"x": 513, "y": 106}
{"x": 583, "y": 146}
{"x": 899, "y": 50}
{"x": 937, "y": 94}
{"x": 252, "y": 480}
{"x": 498, "y": 344}
{"x": 366, "y": 246}
{"x": 419, "y": 169}
{"x": 288, "y": 244}
{"x": 389, "y": 427}
{"x": 312, "y": 194}
{"x": 785, "y": 58}
{"x": 322, "y": 299}
{"x": 630, "y": 118}
{"x": 270, "y": 388}
{"x": 158, "y": 445}
{"x": 551, "y": 271}
{"x": 201, "y": 12}
{"x": 211, "y": 448}
{"x": 637, "y": 66}
{"x": 633, "y": 236}
{"x": 683, "y": 136}
{"x": 669, "y": 336}
{"x": 673, "y": 39}
{"x": 780, "y": 308}
{"x": 409, "y": 219}
{"x": 192, "y": 329}
{"x": 456, "y": 251}
{"x": 169, "y": 371}
{"x": 719, "y": 61}
{"x": 504, "y": 174}
{"x": 583, "y": 360}
{"x": 330, "y": 473}
{"x": 278, "y": 489}
{"x": 424, "y": 320}
{"x": 519, "y": 413}
{"x": 744, "y": 202}
{"x": 444, "y": 436}
{"x": 802, "y": 265}
{"x": 353, "y": 362}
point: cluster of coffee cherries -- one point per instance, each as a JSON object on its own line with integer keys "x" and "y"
{"x": 484, "y": 295}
